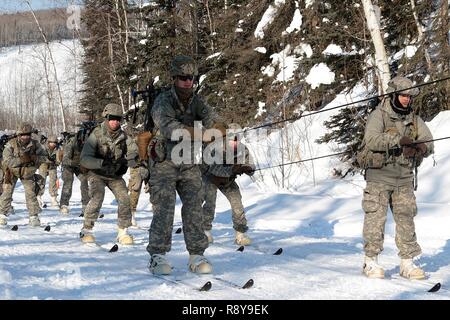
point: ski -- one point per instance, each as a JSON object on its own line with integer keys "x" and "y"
{"x": 15, "y": 227}
{"x": 204, "y": 288}
{"x": 247, "y": 285}
{"x": 114, "y": 248}
{"x": 427, "y": 284}
{"x": 278, "y": 252}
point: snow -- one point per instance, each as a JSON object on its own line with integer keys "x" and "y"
{"x": 267, "y": 18}
{"x": 320, "y": 74}
{"x": 309, "y": 3}
{"x": 285, "y": 63}
{"x": 214, "y": 55}
{"x": 296, "y": 22}
{"x": 305, "y": 49}
{"x": 261, "y": 50}
{"x": 333, "y": 49}
{"x": 261, "y": 109}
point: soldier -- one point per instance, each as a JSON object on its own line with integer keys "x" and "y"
{"x": 49, "y": 168}
{"x": 70, "y": 167}
{"x": 391, "y": 158}
{"x": 177, "y": 109}
{"x": 21, "y": 158}
{"x": 222, "y": 177}
{"x": 105, "y": 154}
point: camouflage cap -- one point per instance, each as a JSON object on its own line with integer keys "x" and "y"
{"x": 400, "y": 83}
{"x": 52, "y": 139}
{"x": 183, "y": 66}
{"x": 24, "y": 128}
{"x": 113, "y": 110}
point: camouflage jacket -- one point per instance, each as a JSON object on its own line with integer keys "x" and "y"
{"x": 51, "y": 164}
{"x": 14, "y": 151}
{"x": 107, "y": 155}
{"x": 383, "y": 132}
{"x": 169, "y": 114}
{"x": 72, "y": 153}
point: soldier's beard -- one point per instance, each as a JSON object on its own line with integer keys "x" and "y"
{"x": 184, "y": 94}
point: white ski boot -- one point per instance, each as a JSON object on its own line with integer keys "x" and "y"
{"x": 3, "y": 220}
{"x": 410, "y": 271}
{"x": 242, "y": 239}
{"x": 209, "y": 236}
{"x": 40, "y": 202}
{"x": 64, "y": 210}
{"x": 199, "y": 264}
{"x": 34, "y": 221}
{"x": 159, "y": 265}
{"x": 133, "y": 218}
{"x": 123, "y": 237}
{"x": 372, "y": 269}
{"x": 87, "y": 236}
{"x": 54, "y": 202}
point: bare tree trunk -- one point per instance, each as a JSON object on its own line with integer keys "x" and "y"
{"x": 61, "y": 104}
{"x": 421, "y": 36}
{"x": 381, "y": 61}
{"x": 211, "y": 26}
{"x": 113, "y": 68}
{"x": 445, "y": 35}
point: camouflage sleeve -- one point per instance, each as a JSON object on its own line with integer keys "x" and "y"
{"x": 68, "y": 153}
{"x": 424, "y": 134}
{"x": 41, "y": 153}
{"x": 8, "y": 157}
{"x": 88, "y": 159}
{"x": 374, "y": 136}
{"x": 132, "y": 152}
{"x": 220, "y": 170}
{"x": 207, "y": 114}
{"x": 163, "y": 115}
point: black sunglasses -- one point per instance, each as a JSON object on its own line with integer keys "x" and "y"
{"x": 185, "y": 78}
{"x": 111, "y": 117}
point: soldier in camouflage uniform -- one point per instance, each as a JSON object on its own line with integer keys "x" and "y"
{"x": 21, "y": 158}
{"x": 70, "y": 167}
{"x": 138, "y": 175}
{"x": 177, "y": 109}
{"x": 223, "y": 177}
{"x": 49, "y": 168}
{"x": 106, "y": 155}
{"x": 389, "y": 135}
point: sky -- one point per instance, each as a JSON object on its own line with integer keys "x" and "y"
{"x": 7, "y": 6}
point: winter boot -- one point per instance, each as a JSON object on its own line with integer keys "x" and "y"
{"x": 87, "y": 236}
{"x": 123, "y": 237}
{"x": 159, "y": 265}
{"x": 34, "y": 221}
{"x": 410, "y": 271}
{"x": 54, "y": 202}
{"x": 209, "y": 235}
{"x": 242, "y": 239}
{"x": 372, "y": 269}
{"x": 133, "y": 218}
{"x": 199, "y": 264}
{"x": 3, "y": 220}
{"x": 64, "y": 210}
{"x": 39, "y": 200}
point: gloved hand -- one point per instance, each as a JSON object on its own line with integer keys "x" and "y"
{"x": 52, "y": 157}
{"x": 26, "y": 158}
{"x": 240, "y": 169}
{"x": 409, "y": 151}
{"x": 421, "y": 148}
{"x": 249, "y": 171}
{"x": 83, "y": 170}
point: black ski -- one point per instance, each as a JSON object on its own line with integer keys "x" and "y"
{"x": 16, "y": 228}
{"x": 204, "y": 288}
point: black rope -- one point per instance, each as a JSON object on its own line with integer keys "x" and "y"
{"x": 338, "y": 154}
{"x": 343, "y": 105}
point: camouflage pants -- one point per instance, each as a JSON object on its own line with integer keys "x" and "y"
{"x": 377, "y": 197}
{"x": 1, "y": 180}
{"x": 118, "y": 187}
{"x": 66, "y": 194}
{"x": 134, "y": 187}
{"x": 166, "y": 179}
{"x": 30, "y": 196}
{"x": 45, "y": 171}
{"x": 232, "y": 193}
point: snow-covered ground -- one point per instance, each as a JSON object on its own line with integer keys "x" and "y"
{"x": 319, "y": 227}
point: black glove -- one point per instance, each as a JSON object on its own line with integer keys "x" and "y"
{"x": 52, "y": 157}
